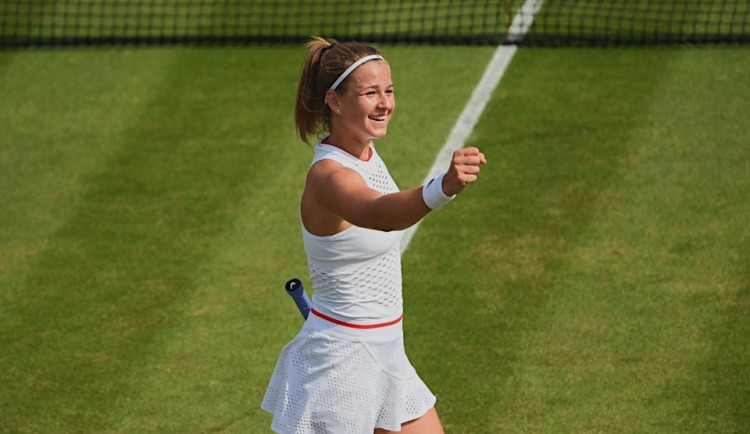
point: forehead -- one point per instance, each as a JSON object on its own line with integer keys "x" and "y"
{"x": 372, "y": 73}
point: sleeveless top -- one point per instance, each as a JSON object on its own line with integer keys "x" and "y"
{"x": 356, "y": 273}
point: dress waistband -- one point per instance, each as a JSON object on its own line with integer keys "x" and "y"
{"x": 356, "y": 326}
{"x": 317, "y": 321}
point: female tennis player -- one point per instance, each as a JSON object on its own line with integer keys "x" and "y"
{"x": 347, "y": 371}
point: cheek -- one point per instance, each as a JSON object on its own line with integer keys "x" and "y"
{"x": 363, "y": 109}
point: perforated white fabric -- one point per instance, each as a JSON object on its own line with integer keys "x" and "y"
{"x": 333, "y": 380}
{"x": 356, "y": 274}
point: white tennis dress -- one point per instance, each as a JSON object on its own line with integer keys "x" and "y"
{"x": 346, "y": 371}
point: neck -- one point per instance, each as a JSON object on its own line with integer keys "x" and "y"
{"x": 356, "y": 148}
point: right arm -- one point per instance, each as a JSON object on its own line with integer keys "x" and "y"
{"x": 336, "y": 197}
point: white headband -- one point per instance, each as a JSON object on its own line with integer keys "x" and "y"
{"x": 352, "y": 68}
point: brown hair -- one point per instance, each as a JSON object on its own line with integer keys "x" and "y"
{"x": 325, "y": 61}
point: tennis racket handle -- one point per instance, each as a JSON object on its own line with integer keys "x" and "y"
{"x": 295, "y": 290}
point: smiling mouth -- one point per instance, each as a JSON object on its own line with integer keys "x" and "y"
{"x": 378, "y": 118}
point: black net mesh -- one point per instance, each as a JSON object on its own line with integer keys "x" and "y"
{"x": 566, "y": 22}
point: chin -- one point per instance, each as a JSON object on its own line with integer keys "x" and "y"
{"x": 378, "y": 133}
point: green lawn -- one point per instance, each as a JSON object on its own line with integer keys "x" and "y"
{"x": 602, "y": 280}
{"x": 596, "y": 280}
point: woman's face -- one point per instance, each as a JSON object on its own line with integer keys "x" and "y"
{"x": 368, "y": 103}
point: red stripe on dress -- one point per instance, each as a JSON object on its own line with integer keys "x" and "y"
{"x": 356, "y": 326}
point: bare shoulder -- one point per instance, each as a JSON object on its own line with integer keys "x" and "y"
{"x": 328, "y": 175}
{"x": 333, "y": 195}
{"x": 324, "y": 168}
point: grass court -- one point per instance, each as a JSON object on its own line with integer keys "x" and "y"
{"x": 596, "y": 279}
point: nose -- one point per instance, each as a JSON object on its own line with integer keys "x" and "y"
{"x": 386, "y": 101}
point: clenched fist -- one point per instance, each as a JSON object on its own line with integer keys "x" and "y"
{"x": 464, "y": 170}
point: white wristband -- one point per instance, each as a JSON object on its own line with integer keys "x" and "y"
{"x": 432, "y": 193}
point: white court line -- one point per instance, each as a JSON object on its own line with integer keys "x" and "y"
{"x": 479, "y": 98}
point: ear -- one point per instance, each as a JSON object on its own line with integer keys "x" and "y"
{"x": 332, "y": 100}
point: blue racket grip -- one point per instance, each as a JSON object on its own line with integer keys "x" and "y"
{"x": 295, "y": 290}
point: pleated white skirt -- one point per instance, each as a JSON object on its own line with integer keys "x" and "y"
{"x": 334, "y": 379}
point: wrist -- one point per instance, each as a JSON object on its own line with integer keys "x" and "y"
{"x": 433, "y": 195}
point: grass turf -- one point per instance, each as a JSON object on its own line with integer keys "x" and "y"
{"x": 150, "y": 220}
{"x": 596, "y": 279}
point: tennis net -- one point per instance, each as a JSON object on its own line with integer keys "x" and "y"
{"x": 559, "y": 22}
